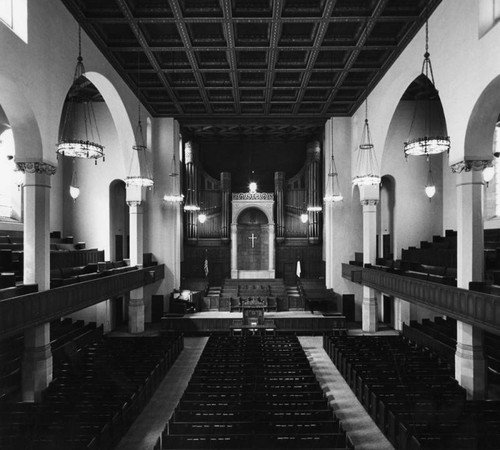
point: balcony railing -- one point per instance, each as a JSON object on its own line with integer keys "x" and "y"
{"x": 26, "y": 311}
{"x": 476, "y": 308}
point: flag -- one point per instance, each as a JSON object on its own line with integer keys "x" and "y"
{"x": 298, "y": 269}
{"x": 205, "y": 265}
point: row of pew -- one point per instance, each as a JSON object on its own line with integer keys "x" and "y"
{"x": 440, "y": 336}
{"x": 97, "y": 392}
{"x": 62, "y": 331}
{"x": 253, "y": 392}
{"x": 411, "y": 394}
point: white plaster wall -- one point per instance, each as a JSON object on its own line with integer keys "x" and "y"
{"x": 346, "y": 227}
{"x": 163, "y": 236}
{"x": 415, "y": 217}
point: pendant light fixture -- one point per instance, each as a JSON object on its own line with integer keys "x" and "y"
{"x": 79, "y": 136}
{"x": 175, "y": 196}
{"x": 332, "y": 189}
{"x": 140, "y": 172}
{"x": 367, "y": 166}
{"x": 427, "y": 120}
{"x": 430, "y": 187}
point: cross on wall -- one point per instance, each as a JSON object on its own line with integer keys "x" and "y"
{"x": 253, "y": 238}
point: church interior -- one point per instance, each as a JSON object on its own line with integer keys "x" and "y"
{"x": 237, "y": 224}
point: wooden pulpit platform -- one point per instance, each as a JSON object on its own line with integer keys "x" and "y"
{"x": 207, "y": 322}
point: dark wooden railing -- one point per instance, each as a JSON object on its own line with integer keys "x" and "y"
{"x": 476, "y": 308}
{"x": 26, "y": 311}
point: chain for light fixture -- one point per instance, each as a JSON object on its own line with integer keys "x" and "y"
{"x": 175, "y": 196}
{"x": 335, "y": 195}
{"x": 140, "y": 171}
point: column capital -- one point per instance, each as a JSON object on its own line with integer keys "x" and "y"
{"x": 36, "y": 167}
{"x": 470, "y": 164}
{"x": 371, "y": 202}
{"x": 134, "y": 203}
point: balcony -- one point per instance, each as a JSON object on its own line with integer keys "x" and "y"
{"x": 26, "y": 311}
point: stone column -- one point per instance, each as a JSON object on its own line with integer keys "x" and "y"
{"x": 234, "y": 250}
{"x": 401, "y": 313}
{"x": 225, "y": 183}
{"x": 279, "y": 191}
{"x": 470, "y": 363}
{"x": 37, "y": 359}
{"x": 314, "y": 189}
{"x": 271, "y": 249}
{"x": 369, "y": 196}
{"x": 136, "y": 303}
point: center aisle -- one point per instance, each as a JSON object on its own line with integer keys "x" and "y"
{"x": 149, "y": 425}
{"x": 362, "y": 430}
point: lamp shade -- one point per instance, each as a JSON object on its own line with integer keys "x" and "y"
{"x": 78, "y": 133}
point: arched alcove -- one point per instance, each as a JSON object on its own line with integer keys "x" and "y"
{"x": 11, "y": 206}
{"x": 89, "y": 218}
{"x": 417, "y": 218}
{"x": 253, "y": 240}
{"x": 385, "y": 223}
{"x": 118, "y": 221}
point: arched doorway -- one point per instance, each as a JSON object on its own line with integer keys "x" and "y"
{"x": 119, "y": 221}
{"x": 253, "y": 240}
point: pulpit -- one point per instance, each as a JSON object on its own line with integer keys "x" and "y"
{"x": 253, "y": 320}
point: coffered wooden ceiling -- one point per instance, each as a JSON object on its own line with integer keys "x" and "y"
{"x": 226, "y": 68}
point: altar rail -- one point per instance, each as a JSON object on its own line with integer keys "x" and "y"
{"x": 476, "y": 308}
{"x": 26, "y": 311}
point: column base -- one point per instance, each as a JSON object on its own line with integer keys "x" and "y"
{"x": 36, "y": 372}
{"x": 136, "y": 316}
{"x": 369, "y": 315}
{"x": 470, "y": 370}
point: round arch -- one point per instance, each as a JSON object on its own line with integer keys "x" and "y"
{"x": 22, "y": 120}
{"x": 479, "y": 134}
{"x": 119, "y": 114}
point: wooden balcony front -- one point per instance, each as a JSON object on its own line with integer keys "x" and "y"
{"x": 476, "y": 308}
{"x": 26, "y": 311}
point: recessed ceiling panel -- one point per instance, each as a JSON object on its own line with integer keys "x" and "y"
{"x": 269, "y": 61}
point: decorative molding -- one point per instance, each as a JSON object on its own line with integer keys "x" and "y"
{"x": 255, "y": 196}
{"x": 36, "y": 167}
{"x": 132, "y": 203}
{"x": 470, "y": 164}
{"x": 369, "y": 202}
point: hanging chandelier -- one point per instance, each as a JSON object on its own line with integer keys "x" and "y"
{"x": 367, "y": 165}
{"x": 432, "y": 140}
{"x": 175, "y": 196}
{"x": 79, "y": 136}
{"x": 333, "y": 180}
{"x": 140, "y": 171}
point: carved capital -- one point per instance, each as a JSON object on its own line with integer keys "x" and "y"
{"x": 369, "y": 202}
{"x": 132, "y": 203}
{"x": 36, "y": 167}
{"x": 470, "y": 164}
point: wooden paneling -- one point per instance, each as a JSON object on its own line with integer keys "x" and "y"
{"x": 476, "y": 308}
{"x": 219, "y": 262}
{"x": 26, "y": 311}
{"x": 311, "y": 261}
